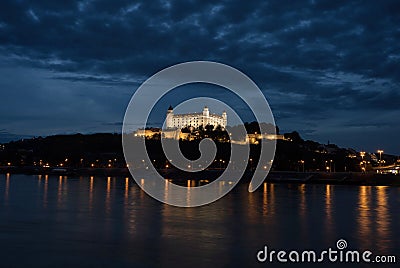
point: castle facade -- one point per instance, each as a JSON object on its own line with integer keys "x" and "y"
{"x": 195, "y": 120}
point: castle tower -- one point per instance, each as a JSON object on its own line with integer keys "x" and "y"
{"x": 170, "y": 116}
{"x": 206, "y": 115}
{"x": 206, "y": 112}
{"x": 224, "y": 119}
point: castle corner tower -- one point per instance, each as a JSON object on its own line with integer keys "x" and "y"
{"x": 170, "y": 117}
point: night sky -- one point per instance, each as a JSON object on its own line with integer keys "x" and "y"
{"x": 329, "y": 69}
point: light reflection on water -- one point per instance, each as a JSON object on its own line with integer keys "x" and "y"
{"x": 329, "y": 219}
{"x": 383, "y": 218}
{"x": 91, "y": 193}
{"x": 88, "y": 221}
{"x": 7, "y": 188}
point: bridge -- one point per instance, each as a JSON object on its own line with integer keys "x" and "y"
{"x": 390, "y": 169}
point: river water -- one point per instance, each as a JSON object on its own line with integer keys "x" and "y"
{"x": 59, "y": 221}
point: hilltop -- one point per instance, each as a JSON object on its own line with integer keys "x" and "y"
{"x": 104, "y": 150}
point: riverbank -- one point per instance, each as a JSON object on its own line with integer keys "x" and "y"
{"x": 347, "y": 178}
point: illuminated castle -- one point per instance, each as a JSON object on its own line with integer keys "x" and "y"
{"x": 179, "y": 121}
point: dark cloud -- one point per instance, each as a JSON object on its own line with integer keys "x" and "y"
{"x": 314, "y": 60}
{"x": 6, "y": 136}
{"x": 113, "y": 124}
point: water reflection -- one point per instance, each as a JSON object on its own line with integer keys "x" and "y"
{"x": 329, "y": 221}
{"x": 45, "y": 187}
{"x": 91, "y": 193}
{"x": 121, "y": 214}
{"x": 7, "y": 189}
{"x": 303, "y": 204}
{"x": 108, "y": 196}
{"x": 166, "y": 190}
{"x": 382, "y": 218}
{"x": 265, "y": 199}
{"x": 131, "y": 210}
{"x": 364, "y": 215}
{"x": 252, "y": 211}
{"x": 268, "y": 199}
{"x": 272, "y": 199}
{"x": 188, "y": 232}
{"x": 142, "y": 193}
{"x": 303, "y": 212}
{"x": 65, "y": 188}
{"x": 126, "y": 193}
{"x": 188, "y": 193}
{"x": 59, "y": 191}
{"x": 328, "y": 201}
{"x": 374, "y": 219}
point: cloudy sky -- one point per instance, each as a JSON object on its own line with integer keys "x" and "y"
{"x": 329, "y": 69}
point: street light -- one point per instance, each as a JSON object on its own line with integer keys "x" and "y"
{"x": 362, "y": 154}
{"x": 302, "y": 162}
{"x": 380, "y": 156}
